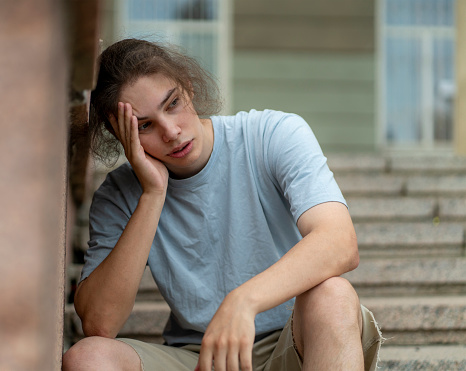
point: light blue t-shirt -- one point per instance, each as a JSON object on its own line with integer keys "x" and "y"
{"x": 226, "y": 224}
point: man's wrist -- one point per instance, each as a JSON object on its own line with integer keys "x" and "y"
{"x": 247, "y": 298}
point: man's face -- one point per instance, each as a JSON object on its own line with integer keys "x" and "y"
{"x": 169, "y": 128}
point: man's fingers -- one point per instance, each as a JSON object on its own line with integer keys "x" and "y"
{"x": 233, "y": 360}
{"x": 121, "y": 120}
{"x": 220, "y": 357}
{"x": 127, "y": 122}
{"x": 134, "y": 134}
{"x": 245, "y": 356}
{"x": 205, "y": 360}
{"x": 126, "y": 128}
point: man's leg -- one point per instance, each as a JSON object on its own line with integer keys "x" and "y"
{"x": 327, "y": 327}
{"x": 98, "y": 353}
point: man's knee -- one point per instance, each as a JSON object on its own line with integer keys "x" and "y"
{"x": 96, "y": 352}
{"x": 83, "y": 354}
{"x": 330, "y": 310}
{"x": 333, "y": 300}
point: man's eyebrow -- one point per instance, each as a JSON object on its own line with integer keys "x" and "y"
{"x": 167, "y": 97}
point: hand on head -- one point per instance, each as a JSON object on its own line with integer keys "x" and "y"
{"x": 152, "y": 173}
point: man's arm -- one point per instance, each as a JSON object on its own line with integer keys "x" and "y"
{"x": 104, "y": 300}
{"x": 328, "y": 249}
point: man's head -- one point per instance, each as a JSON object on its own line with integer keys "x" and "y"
{"x": 122, "y": 64}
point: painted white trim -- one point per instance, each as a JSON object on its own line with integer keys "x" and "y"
{"x": 380, "y": 87}
{"x": 427, "y": 89}
{"x": 177, "y": 26}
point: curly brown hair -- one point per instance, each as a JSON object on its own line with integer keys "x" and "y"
{"x": 123, "y": 63}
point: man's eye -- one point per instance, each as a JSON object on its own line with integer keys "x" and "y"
{"x": 144, "y": 126}
{"x": 173, "y": 103}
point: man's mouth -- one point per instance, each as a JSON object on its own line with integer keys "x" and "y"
{"x": 182, "y": 150}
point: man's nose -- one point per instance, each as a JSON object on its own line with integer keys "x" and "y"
{"x": 171, "y": 131}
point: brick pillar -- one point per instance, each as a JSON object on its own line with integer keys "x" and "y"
{"x": 33, "y": 109}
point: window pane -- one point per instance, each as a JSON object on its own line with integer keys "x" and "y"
{"x": 172, "y": 9}
{"x": 403, "y": 90}
{"x": 203, "y": 48}
{"x": 419, "y": 12}
{"x": 444, "y": 88}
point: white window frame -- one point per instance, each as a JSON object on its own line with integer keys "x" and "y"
{"x": 426, "y": 34}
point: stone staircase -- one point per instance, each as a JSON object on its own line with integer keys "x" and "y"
{"x": 410, "y": 216}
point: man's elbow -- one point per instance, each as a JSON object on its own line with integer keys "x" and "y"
{"x": 347, "y": 251}
{"x": 92, "y": 328}
{"x": 351, "y": 247}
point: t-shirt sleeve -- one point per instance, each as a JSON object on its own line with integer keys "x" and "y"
{"x": 298, "y": 166}
{"x": 110, "y": 211}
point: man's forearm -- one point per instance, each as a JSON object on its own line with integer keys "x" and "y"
{"x": 328, "y": 251}
{"x": 105, "y": 299}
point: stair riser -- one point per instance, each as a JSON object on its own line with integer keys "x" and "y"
{"x": 444, "y": 365}
{"x": 424, "y": 337}
{"x": 396, "y": 252}
{"x": 406, "y": 290}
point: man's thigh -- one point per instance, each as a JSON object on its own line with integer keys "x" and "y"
{"x": 276, "y": 352}
{"x": 156, "y": 357}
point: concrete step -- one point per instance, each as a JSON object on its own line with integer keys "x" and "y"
{"x": 357, "y": 163}
{"x": 434, "y": 165}
{"x": 397, "y": 164}
{"x": 410, "y": 239}
{"x": 409, "y": 277}
{"x": 398, "y": 209}
{"x": 425, "y": 358}
{"x": 452, "y": 209}
{"x": 420, "y": 320}
{"x": 371, "y": 185}
{"x": 449, "y": 185}
{"x": 407, "y": 209}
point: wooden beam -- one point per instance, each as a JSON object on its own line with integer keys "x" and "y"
{"x": 85, "y": 29}
{"x": 79, "y": 158}
{"x": 85, "y": 21}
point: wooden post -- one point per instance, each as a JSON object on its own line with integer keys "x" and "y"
{"x": 33, "y": 102}
{"x": 460, "y": 99}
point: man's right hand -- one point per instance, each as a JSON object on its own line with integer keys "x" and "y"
{"x": 152, "y": 173}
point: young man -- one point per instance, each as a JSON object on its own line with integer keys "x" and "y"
{"x": 239, "y": 219}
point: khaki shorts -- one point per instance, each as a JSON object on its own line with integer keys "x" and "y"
{"x": 276, "y": 352}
